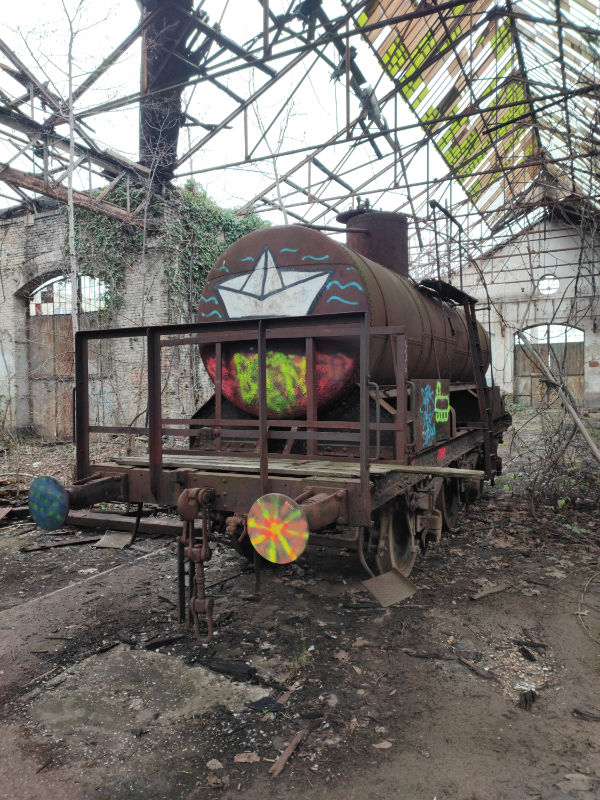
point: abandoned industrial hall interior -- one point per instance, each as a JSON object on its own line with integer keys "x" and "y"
{"x": 300, "y": 400}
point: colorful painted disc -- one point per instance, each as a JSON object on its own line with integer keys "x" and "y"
{"x": 48, "y": 502}
{"x": 277, "y": 528}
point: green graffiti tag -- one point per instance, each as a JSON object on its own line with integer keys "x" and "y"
{"x": 246, "y": 370}
{"x": 442, "y": 404}
{"x": 286, "y": 380}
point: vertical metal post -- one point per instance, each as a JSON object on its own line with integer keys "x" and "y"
{"x": 364, "y": 413}
{"x": 396, "y": 143}
{"x": 181, "y": 604}
{"x": 246, "y": 155}
{"x": 348, "y": 133}
{"x": 460, "y": 258}
{"x": 46, "y": 158}
{"x": 263, "y": 433}
{"x": 218, "y": 387}
{"x": 449, "y": 250}
{"x": 437, "y": 244}
{"x": 401, "y": 388}
{"x": 266, "y": 44}
{"x": 400, "y": 375}
{"x": 483, "y": 393}
{"x": 191, "y": 575}
{"x": 427, "y": 173}
{"x": 311, "y": 395}
{"x": 82, "y": 406}
{"x": 154, "y": 412}
{"x": 263, "y": 430}
{"x": 138, "y": 519}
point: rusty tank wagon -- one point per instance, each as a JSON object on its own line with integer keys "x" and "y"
{"x": 350, "y": 408}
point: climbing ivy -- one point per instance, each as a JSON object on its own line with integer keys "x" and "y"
{"x": 106, "y": 247}
{"x": 189, "y": 228}
{"x": 195, "y": 235}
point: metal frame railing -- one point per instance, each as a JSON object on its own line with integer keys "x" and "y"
{"x": 264, "y": 429}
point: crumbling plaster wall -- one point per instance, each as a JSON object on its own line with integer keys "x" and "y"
{"x": 512, "y": 274}
{"x": 32, "y": 250}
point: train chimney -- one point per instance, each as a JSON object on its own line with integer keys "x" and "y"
{"x": 383, "y": 236}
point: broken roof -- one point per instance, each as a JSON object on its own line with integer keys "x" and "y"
{"x": 507, "y": 92}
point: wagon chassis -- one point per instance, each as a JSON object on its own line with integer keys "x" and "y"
{"x": 383, "y": 493}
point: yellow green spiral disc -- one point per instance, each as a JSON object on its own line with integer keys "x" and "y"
{"x": 277, "y": 528}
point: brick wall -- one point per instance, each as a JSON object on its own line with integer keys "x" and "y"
{"x": 32, "y": 250}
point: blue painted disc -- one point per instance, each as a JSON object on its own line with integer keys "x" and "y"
{"x": 48, "y": 502}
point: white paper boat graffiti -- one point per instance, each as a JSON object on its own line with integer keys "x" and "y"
{"x": 269, "y": 291}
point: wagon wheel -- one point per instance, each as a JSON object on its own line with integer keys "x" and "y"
{"x": 448, "y": 502}
{"x": 396, "y": 540}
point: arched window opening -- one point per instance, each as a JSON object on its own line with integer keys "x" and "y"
{"x": 54, "y": 296}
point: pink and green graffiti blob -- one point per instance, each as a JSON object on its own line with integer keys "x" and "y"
{"x": 285, "y": 379}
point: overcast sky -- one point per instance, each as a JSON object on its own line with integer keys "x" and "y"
{"x": 38, "y": 31}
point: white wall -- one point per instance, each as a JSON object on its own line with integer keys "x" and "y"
{"x": 512, "y": 274}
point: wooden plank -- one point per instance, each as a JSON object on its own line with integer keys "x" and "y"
{"x": 63, "y": 345}
{"x": 106, "y": 521}
{"x": 309, "y": 468}
{"x": 41, "y": 346}
{"x": 31, "y": 548}
{"x": 276, "y": 466}
{"x": 35, "y": 183}
{"x": 63, "y": 392}
{"x": 446, "y": 472}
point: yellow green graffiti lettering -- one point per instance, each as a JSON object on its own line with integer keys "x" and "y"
{"x": 442, "y": 404}
{"x": 246, "y": 370}
{"x": 286, "y": 379}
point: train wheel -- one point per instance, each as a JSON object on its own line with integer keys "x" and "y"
{"x": 448, "y": 502}
{"x": 396, "y": 540}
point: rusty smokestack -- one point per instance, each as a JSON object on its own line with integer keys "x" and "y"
{"x": 385, "y": 239}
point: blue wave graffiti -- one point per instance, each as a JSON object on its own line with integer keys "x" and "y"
{"x": 218, "y": 269}
{"x": 341, "y": 299}
{"x": 218, "y": 313}
{"x": 315, "y": 258}
{"x": 345, "y": 285}
{"x": 427, "y": 414}
{"x": 248, "y": 258}
{"x": 289, "y": 250}
{"x": 209, "y": 300}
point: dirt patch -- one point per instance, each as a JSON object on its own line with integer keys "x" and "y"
{"x": 124, "y": 687}
{"x": 419, "y": 700}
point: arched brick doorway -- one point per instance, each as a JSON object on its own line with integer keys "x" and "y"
{"x": 50, "y": 350}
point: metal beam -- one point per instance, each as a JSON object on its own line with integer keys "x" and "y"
{"x": 19, "y": 122}
{"x": 48, "y": 96}
{"x": 34, "y": 183}
{"x": 107, "y": 63}
{"x": 248, "y": 102}
{"x": 226, "y": 42}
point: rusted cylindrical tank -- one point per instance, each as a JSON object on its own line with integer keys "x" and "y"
{"x": 297, "y": 271}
